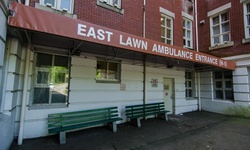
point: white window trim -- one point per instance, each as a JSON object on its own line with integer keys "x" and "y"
{"x": 57, "y": 6}
{"x": 191, "y": 19}
{"x": 104, "y": 4}
{"x": 49, "y": 105}
{"x": 110, "y": 80}
{"x": 219, "y": 10}
{"x": 247, "y": 35}
{"x": 167, "y": 12}
{"x": 214, "y": 13}
{"x": 242, "y": 1}
{"x": 186, "y": 15}
{"x": 172, "y": 28}
{"x": 223, "y": 88}
{"x": 109, "y": 2}
{"x": 228, "y": 43}
{"x": 192, "y": 85}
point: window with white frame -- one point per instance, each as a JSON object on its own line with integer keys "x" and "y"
{"x": 220, "y": 29}
{"x": 223, "y": 85}
{"x": 187, "y": 33}
{"x": 166, "y": 29}
{"x": 62, "y": 5}
{"x": 247, "y": 19}
{"x": 51, "y": 79}
{"x": 108, "y": 71}
{"x": 189, "y": 82}
{"x": 113, "y": 3}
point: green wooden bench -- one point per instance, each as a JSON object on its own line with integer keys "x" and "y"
{"x": 62, "y": 122}
{"x": 141, "y": 111}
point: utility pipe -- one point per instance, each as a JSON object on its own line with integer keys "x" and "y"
{"x": 145, "y": 56}
{"x": 197, "y": 49}
{"x": 144, "y": 19}
{"x": 24, "y": 97}
{"x": 196, "y": 27}
{"x": 25, "y": 89}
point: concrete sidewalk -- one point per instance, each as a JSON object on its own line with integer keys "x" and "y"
{"x": 195, "y": 130}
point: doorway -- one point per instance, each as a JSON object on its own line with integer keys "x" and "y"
{"x": 169, "y": 94}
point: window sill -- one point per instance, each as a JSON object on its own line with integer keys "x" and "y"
{"x": 222, "y": 46}
{"x": 118, "y": 10}
{"x": 224, "y": 100}
{"x": 49, "y": 9}
{"x": 191, "y": 98}
{"x": 190, "y": 48}
{"x": 246, "y": 40}
{"x": 47, "y": 106}
{"x": 107, "y": 81}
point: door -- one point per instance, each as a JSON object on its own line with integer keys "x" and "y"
{"x": 168, "y": 94}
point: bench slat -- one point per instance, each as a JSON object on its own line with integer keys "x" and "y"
{"x": 81, "y": 125}
{"x": 78, "y": 119}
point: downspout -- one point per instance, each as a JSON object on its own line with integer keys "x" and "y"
{"x": 24, "y": 97}
{"x": 25, "y": 88}
{"x": 145, "y": 56}
{"x": 197, "y": 49}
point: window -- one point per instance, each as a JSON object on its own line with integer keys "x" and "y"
{"x": 51, "y": 79}
{"x": 113, "y": 3}
{"x": 247, "y": 19}
{"x": 166, "y": 29}
{"x": 187, "y": 33}
{"x": 223, "y": 85}
{"x": 108, "y": 71}
{"x": 62, "y": 5}
{"x": 189, "y": 84}
{"x": 220, "y": 29}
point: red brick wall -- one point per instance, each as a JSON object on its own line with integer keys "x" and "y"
{"x": 236, "y": 28}
{"x": 132, "y": 20}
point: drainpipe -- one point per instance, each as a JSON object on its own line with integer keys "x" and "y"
{"x": 197, "y": 49}
{"x": 25, "y": 88}
{"x": 196, "y": 26}
{"x": 144, "y": 19}
{"x": 24, "y": 97}
{"x": 144, "y": 59}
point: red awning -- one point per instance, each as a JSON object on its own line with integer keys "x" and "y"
{"x": 30, "y": 18}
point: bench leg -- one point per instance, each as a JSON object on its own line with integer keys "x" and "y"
{"x": 136, "y": 122}
{"x": 62, "y": 137}
{"x": 166, "y": 116}
{"x": 114, "y": 127}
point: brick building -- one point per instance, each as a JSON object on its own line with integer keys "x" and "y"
{"x": 69, "y": 55}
